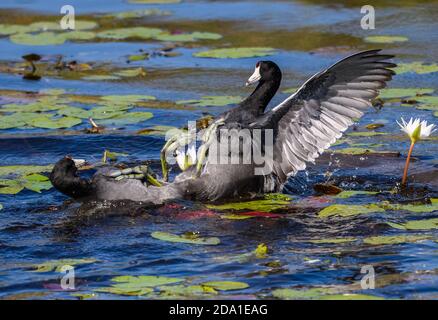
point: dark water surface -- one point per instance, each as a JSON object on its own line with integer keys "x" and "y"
{"x": 305, "y": 251}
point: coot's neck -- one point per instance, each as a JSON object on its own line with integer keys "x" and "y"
{"x": 257, "y": 102}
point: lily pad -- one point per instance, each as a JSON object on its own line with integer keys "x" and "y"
{"x": 20, "y": 170}
{"x": 235, "y": 53}
{"x": 179, "y": 291}
{"x": 182, "y": 37}
{"x": 101, "y": 77}
{"x": 366, "y": 133}
{"x": 226, "y": 285}
{"x": 264, "y": 205}
{"x": 386, "y": 39}
{"x": 134, "y": 32}
{"x": 153, "y": 1}
{"x": 8, "y": 186}
{"x": 8, "y": 29}
{"x": 47, "y": 122}
{"x": 426, "y": 224}
{"x": 56, "y": 265}
{"x": 136, "y": 72}
{"x": 128, "y": 118}
{"x": 36, "y": 182}
{"x": 212, "y": 101}
{"x": 416, "y": 67}
{"x": 137, "y": 14}
{"x": 295, "y": 294}
{"x": 389, "y": 93}
{"x": 39, "y": 39}
{"x": 165, "y": 236}
{"x": 348, "y": 210}
{"x": 352, "y": 193}
{"x": 382, "y": 240}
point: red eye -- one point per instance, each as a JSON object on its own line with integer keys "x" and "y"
{"x": 258, "y": 64}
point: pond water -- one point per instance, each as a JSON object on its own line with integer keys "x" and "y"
{"x": 304, "y": 245}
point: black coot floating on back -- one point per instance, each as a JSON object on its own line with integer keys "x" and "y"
{"x": 304, "y": 125}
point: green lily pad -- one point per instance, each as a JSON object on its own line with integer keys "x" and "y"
{"x": 351, "y": 193}
{"x": 226, "y": 285}
{"x": 334, "y": 240}
{"x": 165, "y": 236}
{"x": 263, "y": 205}
{"x": 351, "y": 296}
{"x": 1, "y": 206}
{"x": 134, "y": 32}
{"x": 179, "y": 291}
{"x": 158, "y": 130}
{"x": 385, "y": 39}
{"x": 348, "y": 210}
{"x": 138, "y": 57}
{"x": 8, "y": 29}
{"x": 128, "y": 98}
{"x": 127, "y": 118}
{"x": 77, "y": 35}
{"x": 366, "y": 133}
{"x": 418, "y": 208}
{"x": 294, "y": 294}
{"x": 8, "y": 186}
{"x": 47, "y": 122}
{"x": 182, "y": 37}
{"x": 84, "y": 296}
{"x": 56, "y": 265}
{"x": 137, "y": 14}
{"x": 390, "y": 93}
{"x": 137, "y": 285}
{"x": 416, "y": 67}
{"x": 20, "y": 170}
{"x": 39, "y": 39}
{"x": 100, "y": 77}
{"x": 212, "y": 101}
{"x": 426, "y": 224}
{"x": 382, "y": 240}
{"x": 136, "y": 72}
{"x": 235, "y": 53}
{"x": 153, "y": 1}
{"x": 36, "y": 182}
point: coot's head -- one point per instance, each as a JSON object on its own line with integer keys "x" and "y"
{"x": 265, "y": 71}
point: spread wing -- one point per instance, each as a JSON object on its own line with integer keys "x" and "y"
{"x": 316, "y": 115}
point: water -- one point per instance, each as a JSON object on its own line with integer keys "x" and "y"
{"x": 309, "y": 35}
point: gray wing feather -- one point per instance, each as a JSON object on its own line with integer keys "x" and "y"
{"x": 315, "y": 116}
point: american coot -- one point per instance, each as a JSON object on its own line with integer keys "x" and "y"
{"x": 303, "y": 126}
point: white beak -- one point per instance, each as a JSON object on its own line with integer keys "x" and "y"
{"x": 255, "y": 77}
{"x": 79, "y": 162}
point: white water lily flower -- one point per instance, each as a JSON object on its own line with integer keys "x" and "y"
{"x": 416, "y": 129}
{"x": 185, "y": 160}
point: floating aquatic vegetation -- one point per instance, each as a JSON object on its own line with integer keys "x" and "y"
{"x": 428, "y": 103}
{"x": 384, "y": 240}
{"x": 344, "y": 210}
{"x": 8, "y": 29}
{"x": 134, "y": 32}
{"x": 36, "y": 182}
{"x": 226, "y": 285}
{"x": 153, "y": 1}
{"x": 425, "y": 224}
{"x": 127, "y": 118}
{"x": 418, "y": 208}
{"x": 165, "y": 236}
{"x": 15, "y": 181}
{"x": 390, "y": 93}
{"x": 322, "y": 293}
{"x": 127, "y": 98}
{"x": 351, "y": 193}
{"x": 182, "y": 37}
{"x": 326, "y": 188}
{"x": 56, "y": 265}
{"x": 84, "y": 296}
{"x": 19, "y": 170}
{"x": 137, "y": 14}
{"x": 39, "y": 39}
{"x": 48, "y": 122}
{"x": 1, "y": 206}
{"x": 137, "y": 285}
{"x": 262, "y": 205}
{"x": 138, "y": 57}
{"x": 386, "y": 39}
{"x": 235, "y": 53}
{"x": 135, "y": 72}
{"x": 157, "y": 130}
{"x": 373, "y": 126}
{"x": 366, "y": 133}
{"x": 416, "y": 67}
{"x": 188, "y": 291}
{"x": 100, "y": 77}
{"x": 212, "y": 101}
